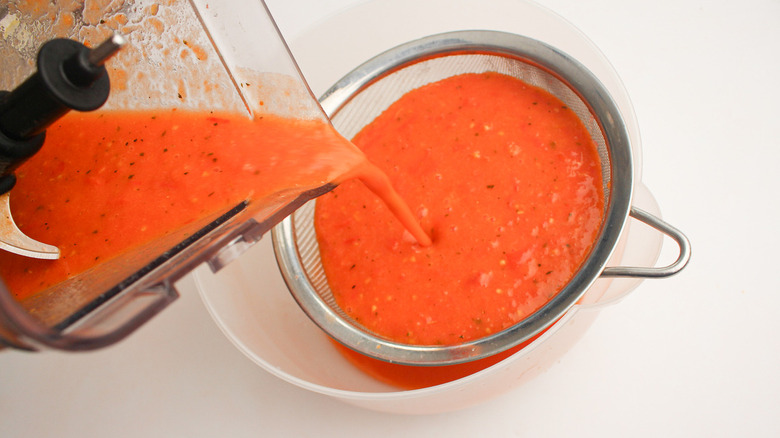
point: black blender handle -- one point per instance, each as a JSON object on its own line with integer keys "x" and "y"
{"x": 69, "y": 76}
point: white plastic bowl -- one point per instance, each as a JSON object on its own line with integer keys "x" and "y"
{"x": 251, "y": 304}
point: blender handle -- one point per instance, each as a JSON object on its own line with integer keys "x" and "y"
{"x": 641, "y": 272}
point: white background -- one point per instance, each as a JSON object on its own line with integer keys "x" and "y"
{"x": 697, "y": 354}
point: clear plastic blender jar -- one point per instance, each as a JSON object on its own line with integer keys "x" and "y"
{"x": 182, "y": 55}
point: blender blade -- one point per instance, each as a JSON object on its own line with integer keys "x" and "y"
{"x": 13, "y": 240}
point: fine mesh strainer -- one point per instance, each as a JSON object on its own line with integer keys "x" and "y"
{"x": 363, "y": 94}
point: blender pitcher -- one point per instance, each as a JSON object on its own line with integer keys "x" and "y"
{"x": 187, "y": 56}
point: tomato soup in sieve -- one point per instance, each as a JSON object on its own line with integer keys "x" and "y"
{"x": 505, "y": 179}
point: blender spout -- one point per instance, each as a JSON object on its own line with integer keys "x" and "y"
{"x": 268, "y": 80}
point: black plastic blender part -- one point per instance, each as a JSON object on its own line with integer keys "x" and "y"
{"x": 69, "y": 76}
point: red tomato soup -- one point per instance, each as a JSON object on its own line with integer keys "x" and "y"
{"x": 507, "y": 182}
{"x": 105, "y": 183}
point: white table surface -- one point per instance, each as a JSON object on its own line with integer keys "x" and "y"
{"x": 693, "y": 355}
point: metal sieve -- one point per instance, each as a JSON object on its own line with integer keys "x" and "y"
{"x": 364, "y": 93}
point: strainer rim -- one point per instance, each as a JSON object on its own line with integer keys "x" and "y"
{"x": 606, "y": 113}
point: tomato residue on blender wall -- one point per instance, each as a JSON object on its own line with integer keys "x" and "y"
{"x": 506, "y": 180}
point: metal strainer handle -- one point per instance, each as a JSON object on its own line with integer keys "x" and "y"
{"x": 654, "y": 272}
